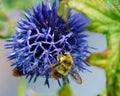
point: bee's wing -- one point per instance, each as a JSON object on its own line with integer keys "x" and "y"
{"x": 76, "y": 77}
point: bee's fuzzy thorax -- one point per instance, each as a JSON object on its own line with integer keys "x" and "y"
{"x": 65, "y": 63}
{"x": 42, "y": 35}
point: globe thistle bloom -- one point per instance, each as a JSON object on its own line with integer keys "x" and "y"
{"x": 42, "y": 35}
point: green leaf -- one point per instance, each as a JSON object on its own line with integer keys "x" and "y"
{"x": 3, "y": 16}
{"x": 63, "y": 11}
{"x": 20, "y": 4}
{"x": 8, "y": 28}
{"x": 105, "y": 17}
{"x": 102, "y": 15}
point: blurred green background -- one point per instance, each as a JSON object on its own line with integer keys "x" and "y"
{"x": 105, "y": 17}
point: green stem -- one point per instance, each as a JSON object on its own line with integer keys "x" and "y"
{"x": 22, "y": 88}
{"x": 112, "y": 73}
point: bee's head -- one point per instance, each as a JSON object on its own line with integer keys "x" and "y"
{"x": 67, "y": 54}
{"x": 67, "y": 57}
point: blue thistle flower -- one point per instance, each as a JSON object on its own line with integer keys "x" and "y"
{"x": 43, "y": 34}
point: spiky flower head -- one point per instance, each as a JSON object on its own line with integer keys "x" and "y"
{"x": 42, "y": 35}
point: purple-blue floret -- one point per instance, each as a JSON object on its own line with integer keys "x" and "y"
{"x": 42, "y": 34}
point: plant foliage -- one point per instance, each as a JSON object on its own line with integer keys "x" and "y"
{"x": 105, "y": 16}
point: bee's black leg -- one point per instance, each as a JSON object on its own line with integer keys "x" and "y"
{"x": 59, "y": 82}
{"x": 65, "y": 80}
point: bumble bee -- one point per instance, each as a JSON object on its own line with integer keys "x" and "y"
{"x": 17, "y": 73}
{"x": 62, "y": 68}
